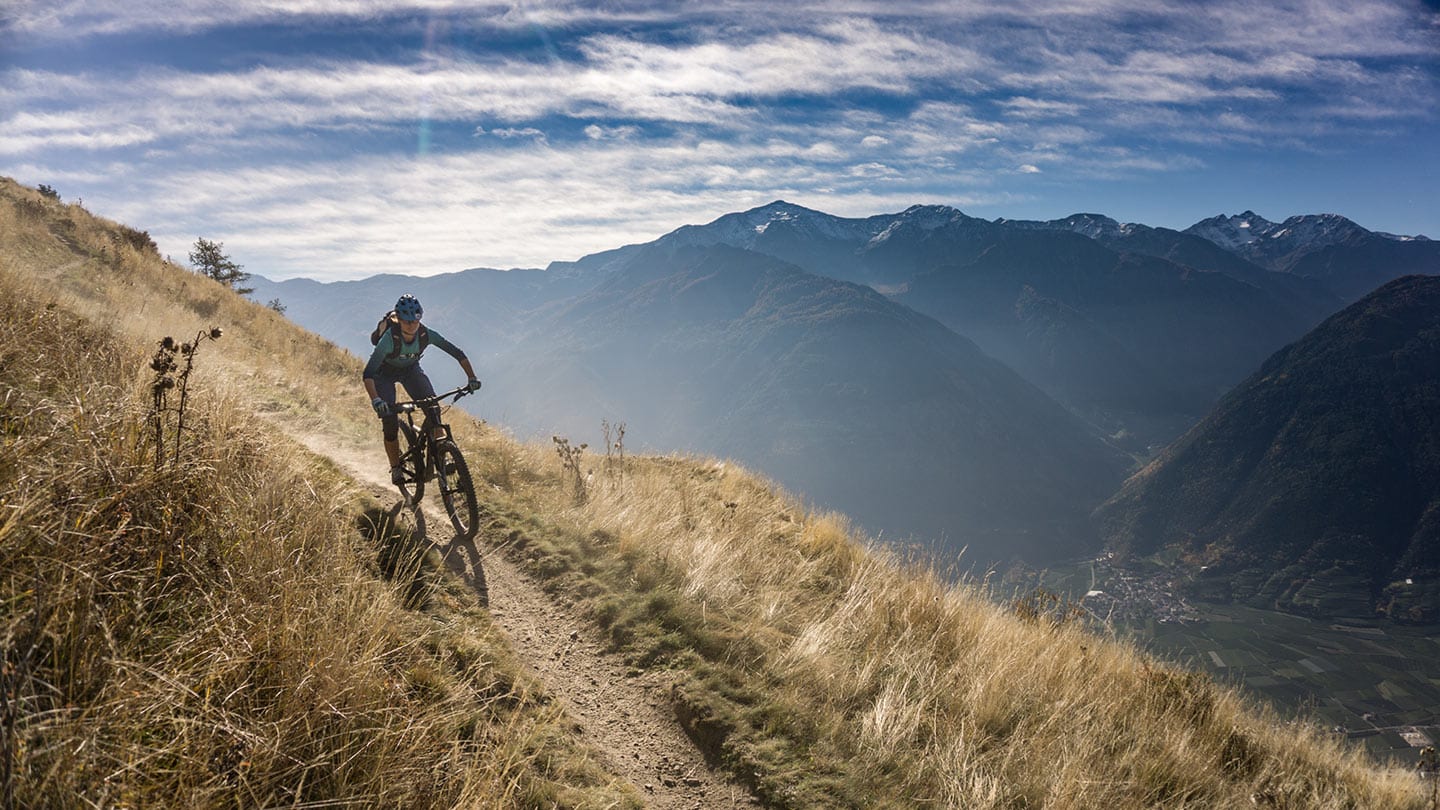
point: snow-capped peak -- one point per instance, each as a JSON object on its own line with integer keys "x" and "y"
{"x": 930, "y": 217}
{"x": 1233, "y": 232}
{"x": 744, "y": 228}
{"x": 1094, "y": 226}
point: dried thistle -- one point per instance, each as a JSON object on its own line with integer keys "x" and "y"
{"x": 165, "y": 366}
{"x": 570, "y": 462}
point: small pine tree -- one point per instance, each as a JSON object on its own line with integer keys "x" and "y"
{"x": 208, "y": 259}
{"x": 48, "y": 192}
{"x": 276, "y": 305}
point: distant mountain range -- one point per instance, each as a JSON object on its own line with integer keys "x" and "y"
{"x": 1346, "y": 258}
{"x": 1314, "y": 484}
{"x": 799, "y": 343}
{"x": 1138, "y": 348}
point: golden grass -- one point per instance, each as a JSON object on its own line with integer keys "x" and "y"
{"x": 215, "y": 631}
{"x": 850, "y": 677}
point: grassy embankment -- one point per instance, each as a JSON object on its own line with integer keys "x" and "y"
{"x": 826, "y": 672}
{"x": 216, "y": 630}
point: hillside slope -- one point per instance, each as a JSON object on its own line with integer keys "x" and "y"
{"x": 1130, "y": 341}
{"x": 820, "y": 671}
{"x": 221, "y": 619}
{"x": 1320, "y": 473}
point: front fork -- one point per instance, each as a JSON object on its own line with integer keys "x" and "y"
{"x": 433, "y": 435}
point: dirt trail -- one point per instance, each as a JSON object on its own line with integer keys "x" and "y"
{"x": 627, "y": 717}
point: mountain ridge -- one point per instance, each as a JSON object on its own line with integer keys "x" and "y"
{"x": 1323, "y": 466}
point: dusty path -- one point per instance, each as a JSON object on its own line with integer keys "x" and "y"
{"x": 627, "y": 717}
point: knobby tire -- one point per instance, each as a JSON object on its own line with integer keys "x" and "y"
{"x": 457, "y": 491}
{"x": 412, "y": 462}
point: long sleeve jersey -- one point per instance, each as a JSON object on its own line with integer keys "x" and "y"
{"x": 409, "y": 353}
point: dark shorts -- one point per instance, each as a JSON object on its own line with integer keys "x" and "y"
{"x": 417, "y": 385}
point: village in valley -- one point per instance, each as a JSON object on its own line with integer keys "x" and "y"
{"x": 1374, "y": 682}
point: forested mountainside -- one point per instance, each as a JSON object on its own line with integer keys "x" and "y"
{"x": 1316, "y": 480}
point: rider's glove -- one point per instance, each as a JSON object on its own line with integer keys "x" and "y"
{"x": 382, "y": 408}
{"x": 473, "y": 385}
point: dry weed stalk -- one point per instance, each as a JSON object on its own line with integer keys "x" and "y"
{"x": 164, "y": 365}
{"x": 570, "y": 456}
{"x": 1043, "y": 605}
{"x": 1429, "y": 770}
{"x": 614, "y": 451}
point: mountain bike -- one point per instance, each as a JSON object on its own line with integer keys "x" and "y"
{"x": 430, "y": 452}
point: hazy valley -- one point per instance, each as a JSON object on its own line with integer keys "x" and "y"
{"x": 1058, "y": 357}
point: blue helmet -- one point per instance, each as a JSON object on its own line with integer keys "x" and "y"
{"x": 408, "y": 308}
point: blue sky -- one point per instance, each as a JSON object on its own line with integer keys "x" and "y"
{"x": 343, "y": 138}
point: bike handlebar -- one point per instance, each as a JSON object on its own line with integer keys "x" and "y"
{"x": 402, "y": 407}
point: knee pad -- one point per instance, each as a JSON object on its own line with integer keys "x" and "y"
{"x": 391, "y": 427}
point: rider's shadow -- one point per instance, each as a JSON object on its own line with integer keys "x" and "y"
{"x": 462, "y": 557}
{"x": 407, "y": 554}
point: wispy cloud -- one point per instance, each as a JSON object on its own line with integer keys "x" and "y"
{"x": 689, "y": 84}
{"x": 514, "y": 208}
{"x": 653, "y": 116}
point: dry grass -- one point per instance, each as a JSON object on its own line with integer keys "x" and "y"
{"x": 845, "y": 676}
{"x": 824, "y": 671}
{"x": 216, "y": 632}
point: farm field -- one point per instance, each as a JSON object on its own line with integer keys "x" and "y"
{"x": 1376, "y": 683}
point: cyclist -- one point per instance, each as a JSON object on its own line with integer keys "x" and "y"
{"x": 396, "y": 359}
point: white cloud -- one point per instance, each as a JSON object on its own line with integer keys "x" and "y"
{"x": 620, "y": 78}
{"x": 83, "y": 18}
{"x": 1023, "y": 107}
{"x": 941, "y": 101}
{"x": 519, "y": 132}
{"x": 595, "y": 132}
{"x": 872, "y": 170}
{"x": 516, "y": 207}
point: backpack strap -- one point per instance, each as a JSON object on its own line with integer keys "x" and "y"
{"x": 397, "y": 342}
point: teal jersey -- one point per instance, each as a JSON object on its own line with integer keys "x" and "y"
{"x": 408, "y": 354}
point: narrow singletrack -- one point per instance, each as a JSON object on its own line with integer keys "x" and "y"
{"x": 626, "y": 715}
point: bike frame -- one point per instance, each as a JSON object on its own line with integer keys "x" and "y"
{"x": 432, "y": 430}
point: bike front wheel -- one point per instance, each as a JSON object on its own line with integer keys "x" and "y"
{"x": 457, "y": 491}
{"x": 412, "y": 464}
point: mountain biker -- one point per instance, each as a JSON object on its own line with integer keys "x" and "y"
{"x": 396, "y": 359}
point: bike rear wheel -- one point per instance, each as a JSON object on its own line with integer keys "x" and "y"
{"x": 412, "y": 464}
{"x": 457, "y": 491}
